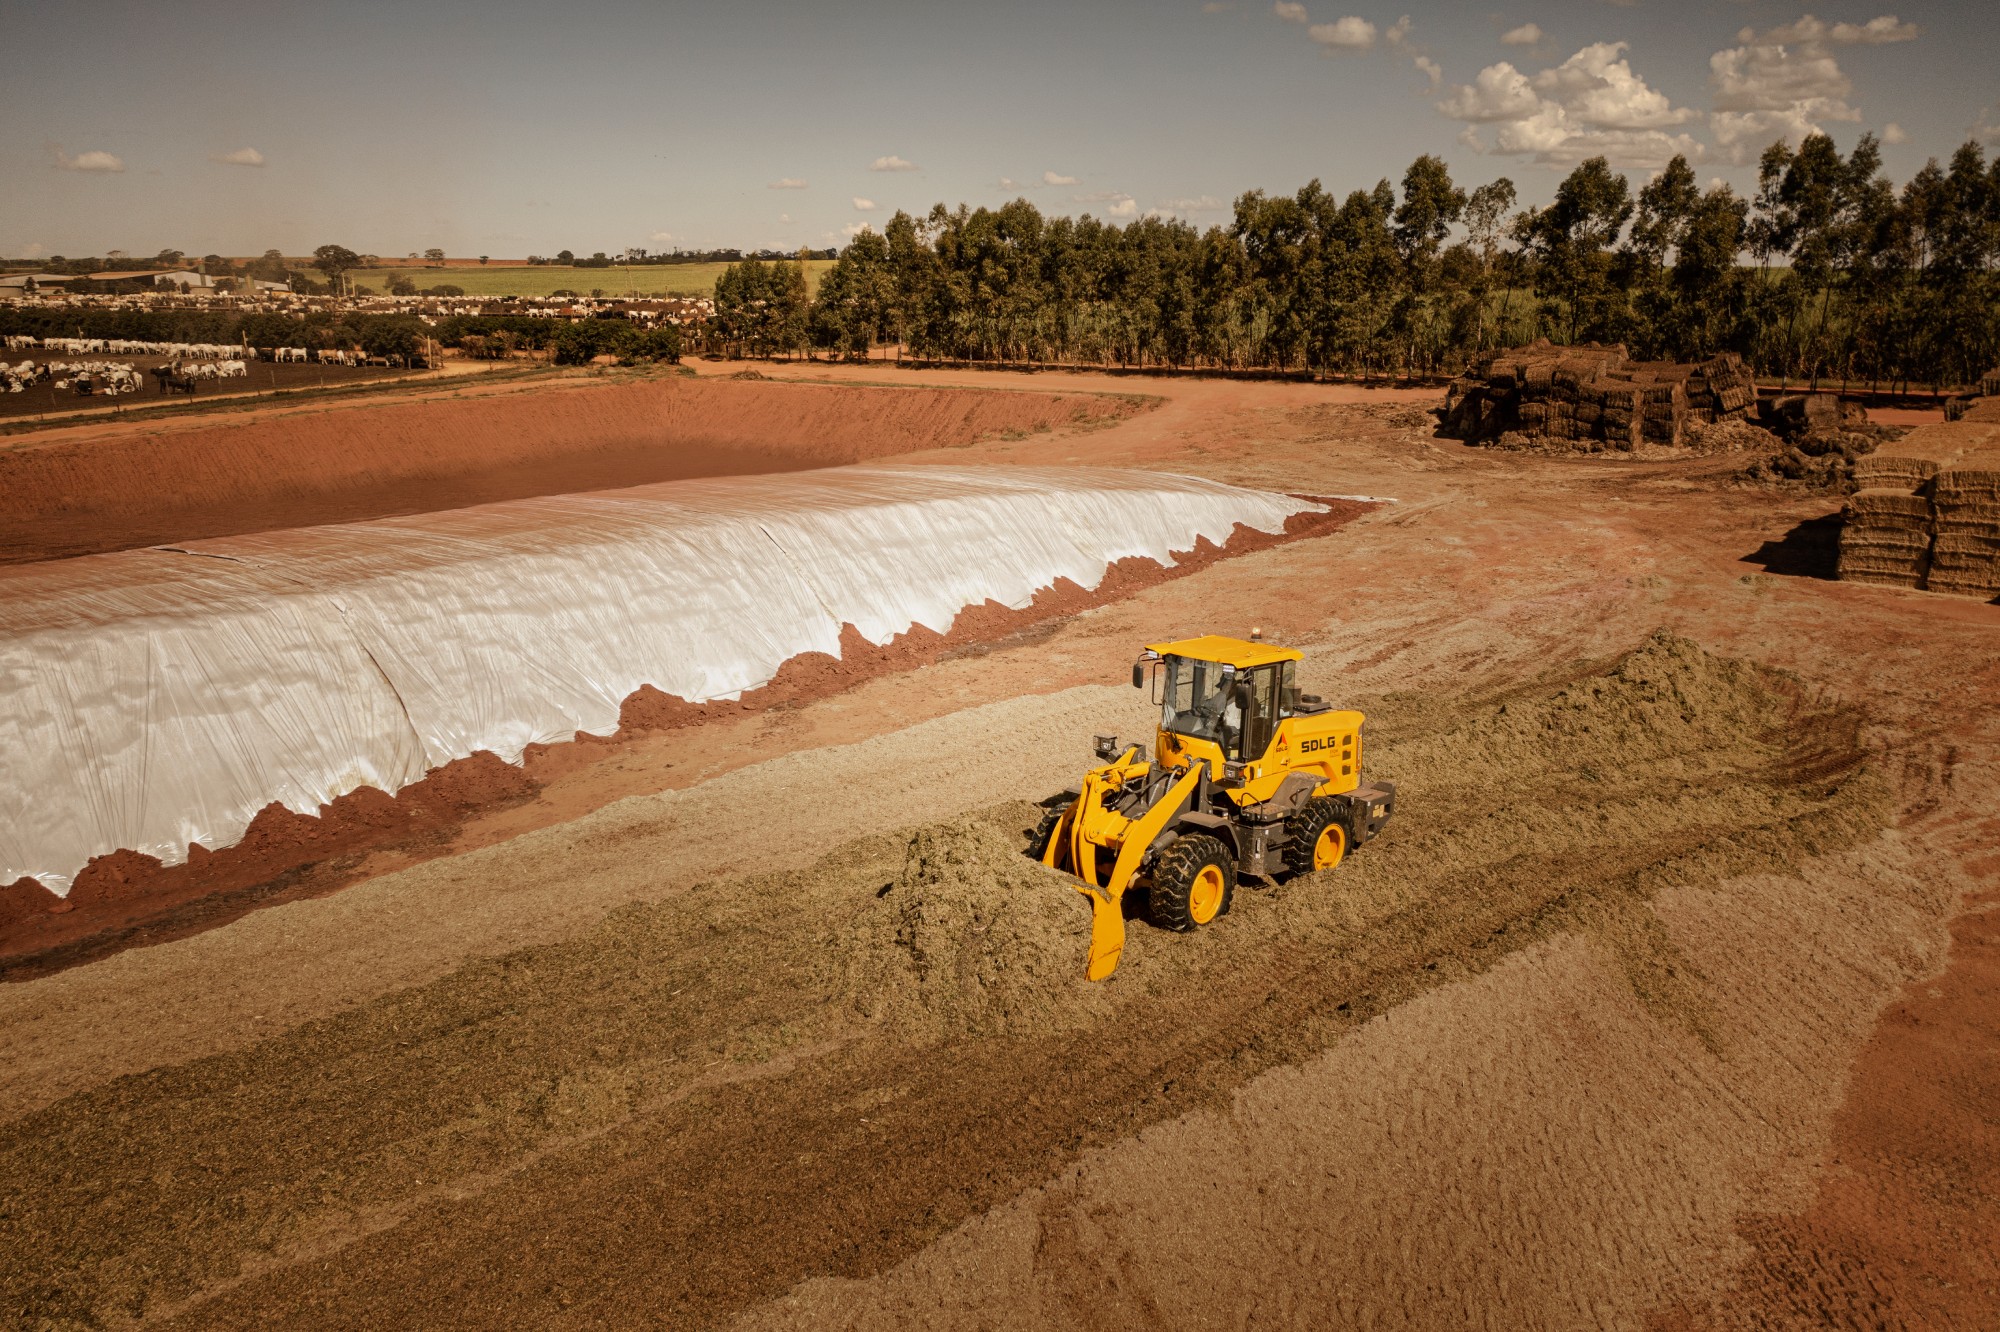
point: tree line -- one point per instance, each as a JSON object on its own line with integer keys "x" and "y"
{"x": 566, "y": 342}
{"x": 1828, "y": 271}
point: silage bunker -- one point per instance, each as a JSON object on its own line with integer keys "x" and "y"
{"x": 154, "y": 699}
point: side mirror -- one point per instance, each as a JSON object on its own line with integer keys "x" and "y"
{"x": 1138, "y": 675}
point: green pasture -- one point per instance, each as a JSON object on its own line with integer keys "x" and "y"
{"x": 545, "y": 280}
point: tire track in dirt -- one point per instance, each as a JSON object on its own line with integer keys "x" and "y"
{"x": 1672, "y": 769}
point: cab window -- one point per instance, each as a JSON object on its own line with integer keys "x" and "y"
{"x": 1288, "y": 689}
{"x": 1261, "y": 718}
{"x": 1195, "y": 699}
{"x": 1236, "y": 710}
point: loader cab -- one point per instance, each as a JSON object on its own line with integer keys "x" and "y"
{"x": 1220, "y": 692}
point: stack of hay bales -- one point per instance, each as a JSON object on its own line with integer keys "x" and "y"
{"x": 1885, "y": 537}
{"x": 1593, "y": 397}
{"x": 1928, "y": 511}
{"x": 1965, "y": 557}
{"x": 1965, "y": 505}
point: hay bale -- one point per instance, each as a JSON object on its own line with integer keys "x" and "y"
{"x": 1967, "y": 518}
{"x": 1972, "y": 478}
{"x": 1910, "y": 462}
{"x": 1985, "y": 411}
{"x": 1864, "y": 505}
{"x": 1913, "y": 580}
{"x": 1795, "y": 414}
{"x": 1983, "y": 586}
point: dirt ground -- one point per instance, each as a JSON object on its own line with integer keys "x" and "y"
{"x": 98, "y": 487}
{"x": 1666, "y": 999}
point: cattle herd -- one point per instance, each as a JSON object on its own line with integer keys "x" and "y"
{"x": 186, "y": 365}
{"x": 108, "y": 379}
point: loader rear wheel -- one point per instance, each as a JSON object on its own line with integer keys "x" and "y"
{"x": 1319, "y": 837}
{"x": 1192, "y": 884}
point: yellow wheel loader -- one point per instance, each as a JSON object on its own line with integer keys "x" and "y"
{"x": 1253, "y": 780}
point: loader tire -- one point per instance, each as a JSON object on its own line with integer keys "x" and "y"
{"x": 1319, "y": 836}
{"x": 1193, "y": 883}
{"x": 1038, "y": 841}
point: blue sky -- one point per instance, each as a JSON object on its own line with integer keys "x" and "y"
{"x": 509, "y": 129}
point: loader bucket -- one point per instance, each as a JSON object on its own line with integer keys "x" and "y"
{"x": 1107, "y": 932}
{"x": 1068, "y": 847}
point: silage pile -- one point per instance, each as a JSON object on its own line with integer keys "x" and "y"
{"x": 1669, "y": 701}
{"x": 973, "y": 938}
{"x": 153, "y": 699}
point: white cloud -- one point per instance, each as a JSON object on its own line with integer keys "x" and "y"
{"x": 1894, "y": 133}
{"x": 1764, "y": 93}
{"x": 1809, "y": 31}
{"x": 95, "y": 160}
{"x": 1785, "y": 83}
{"x": 1988, "y": 128}
{"x": 1116, "y": 203}
{"x": 786, "y": 183}
{"x": 1593, "y": 104}
{"x": 892, "y": 163}
{"x": 1009, "y": 183}
{"x": 1354, "y": 33}
{"x": 662, "y": 238}
{"x": 1525, "y": 35}
{"x": 1052, "y": 178}
{"x": 249, "y": 157}
{"x": 1201, "y": 203}
{"x": 1597, "y": 86}
{"x": 862, "y": 205}
{"x": 785, "y": 219}
{"x": 1498, "y": 92}
{"x": 1347, "y": 34}
{"x": 853, "y": 229}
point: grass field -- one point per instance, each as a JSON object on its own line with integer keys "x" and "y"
{"x": 647, "y": 280}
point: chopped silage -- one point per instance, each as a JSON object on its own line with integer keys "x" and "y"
{"x": 972, "y": 937}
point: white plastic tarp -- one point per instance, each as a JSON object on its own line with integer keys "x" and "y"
{"x": 156, "y": 698}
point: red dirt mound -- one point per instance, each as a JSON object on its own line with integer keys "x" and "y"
{"x": 81, "y": 495}
{"x": 127, "y": 899}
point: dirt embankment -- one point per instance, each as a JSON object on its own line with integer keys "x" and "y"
{"x": 706, "y": 1100}
{"x": 74, "y": 496}
{"x": 127, "y": 899}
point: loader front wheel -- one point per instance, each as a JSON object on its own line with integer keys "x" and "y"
{"x": 1038, "y": 840}
{"x": 1319, "y": 837}
{"x": 1192, "y": 884}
